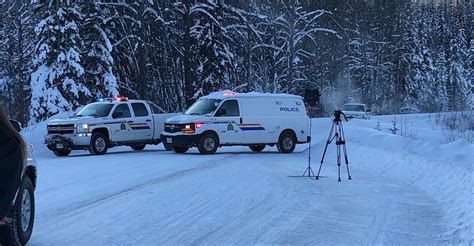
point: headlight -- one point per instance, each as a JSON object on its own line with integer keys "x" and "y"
{"x": 188, "y": 129}
{"x": 82, "y": 128}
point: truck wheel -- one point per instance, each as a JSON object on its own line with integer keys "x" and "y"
{"x": 208, "y": 144}
{"x": 180, "y": 150}
{"x": 257, "y": 148}
{"x": 62, "y": 152}
{"x": 138, "y": 147}
{"x": 99, "y": 144}
{"x": 24, "y": 212}
{"x": 286, "y": 142}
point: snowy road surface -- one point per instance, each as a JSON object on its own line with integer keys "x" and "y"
{"x": 238, "y": 197}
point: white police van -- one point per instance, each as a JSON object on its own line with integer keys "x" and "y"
{"x": 104, "y": 124}
{"x": 250, "y": 119}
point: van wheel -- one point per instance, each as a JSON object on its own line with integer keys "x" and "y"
{"x": 257, "y": 148}
{"x": 138, "y": 147}
{"x": 208, "y": 144}
{"x": 62, "y": 152}
{"x": 286, "y": 142}
{"x": 99, "y": 144}
{"x": 180, "y": 150}
{"x": 24, "y": 212}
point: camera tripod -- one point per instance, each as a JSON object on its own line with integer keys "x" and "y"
{"x": 338, "y": 131}
{"x": 309, "y": 170}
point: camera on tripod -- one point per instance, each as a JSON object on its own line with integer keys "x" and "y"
{"x": 337, "y": 133}
{"x": 337, "y": 115}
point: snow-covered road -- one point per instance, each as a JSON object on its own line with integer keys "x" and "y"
{"x": 238, "y": 197}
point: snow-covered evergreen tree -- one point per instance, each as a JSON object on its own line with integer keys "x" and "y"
{"x": 458, "y": 85}
{"x": 96, "y": 53}
{"x": 215, "y": 58}
{"x": 362, "y": 64}
{"x": 470, "y": 76}
{"x": 297, "y": 38}
{"x": 402, "y": 57}
{"x": 440, "y": 96}
{"x": 15, "y": 54}
{"x": 420, "y": 79}
{"x": 57, "y": 83}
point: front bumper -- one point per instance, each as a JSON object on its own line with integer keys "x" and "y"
{"x": 175, "y": 140}
{"x": 68, "y": 141}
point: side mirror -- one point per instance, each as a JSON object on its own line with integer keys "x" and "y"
{"x": 16, "y": 125}
{"x": 368, "y": 110}
{"x": 118, "y": 114}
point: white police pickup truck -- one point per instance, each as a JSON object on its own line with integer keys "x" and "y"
{"x": 104, "y": 124}
{"x": 250, "y": 119}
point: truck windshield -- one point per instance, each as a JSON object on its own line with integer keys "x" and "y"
{"x": 352, "y": 107}
{"x": 96, "y": 110}
{"x": 203, "y": 106}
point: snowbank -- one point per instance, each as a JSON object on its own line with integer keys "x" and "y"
{"x": 444, "y": 171}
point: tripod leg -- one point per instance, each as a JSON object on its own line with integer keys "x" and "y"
{"x": 347, "y": 163}
{"x": 345, "y": 153}
{"x": 338, "y": 152}
{"x": 310, "y": 172}
{"x": 325, "y": 149}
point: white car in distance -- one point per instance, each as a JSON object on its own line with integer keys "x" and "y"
{"x": 356, "y": 110}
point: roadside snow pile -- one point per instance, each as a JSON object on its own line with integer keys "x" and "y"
{"x": 444, "y": 171}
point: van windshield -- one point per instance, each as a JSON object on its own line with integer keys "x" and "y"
{"x": 353, "y": 107}
{"x": 203, "y": 106}
{"x": 95, "y": 110}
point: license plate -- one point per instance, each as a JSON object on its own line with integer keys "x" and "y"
{"x": 169, "y": 140}
{"x": 59, "y": 146}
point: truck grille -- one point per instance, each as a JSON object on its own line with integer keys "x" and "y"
{"x": 61, "y": 129}
{"x": 173, "y": 128}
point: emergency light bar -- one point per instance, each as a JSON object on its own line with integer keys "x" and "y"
{"x": 121, "y": 99}
{"x": 117, "y": 98}
{"x": 229, "y": 93}
{"x": 104, "y": 99}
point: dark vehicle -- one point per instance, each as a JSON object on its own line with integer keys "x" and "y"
{"x": 24, "y": 206}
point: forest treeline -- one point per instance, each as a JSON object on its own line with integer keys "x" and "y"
{"x": 57, "y": 55}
